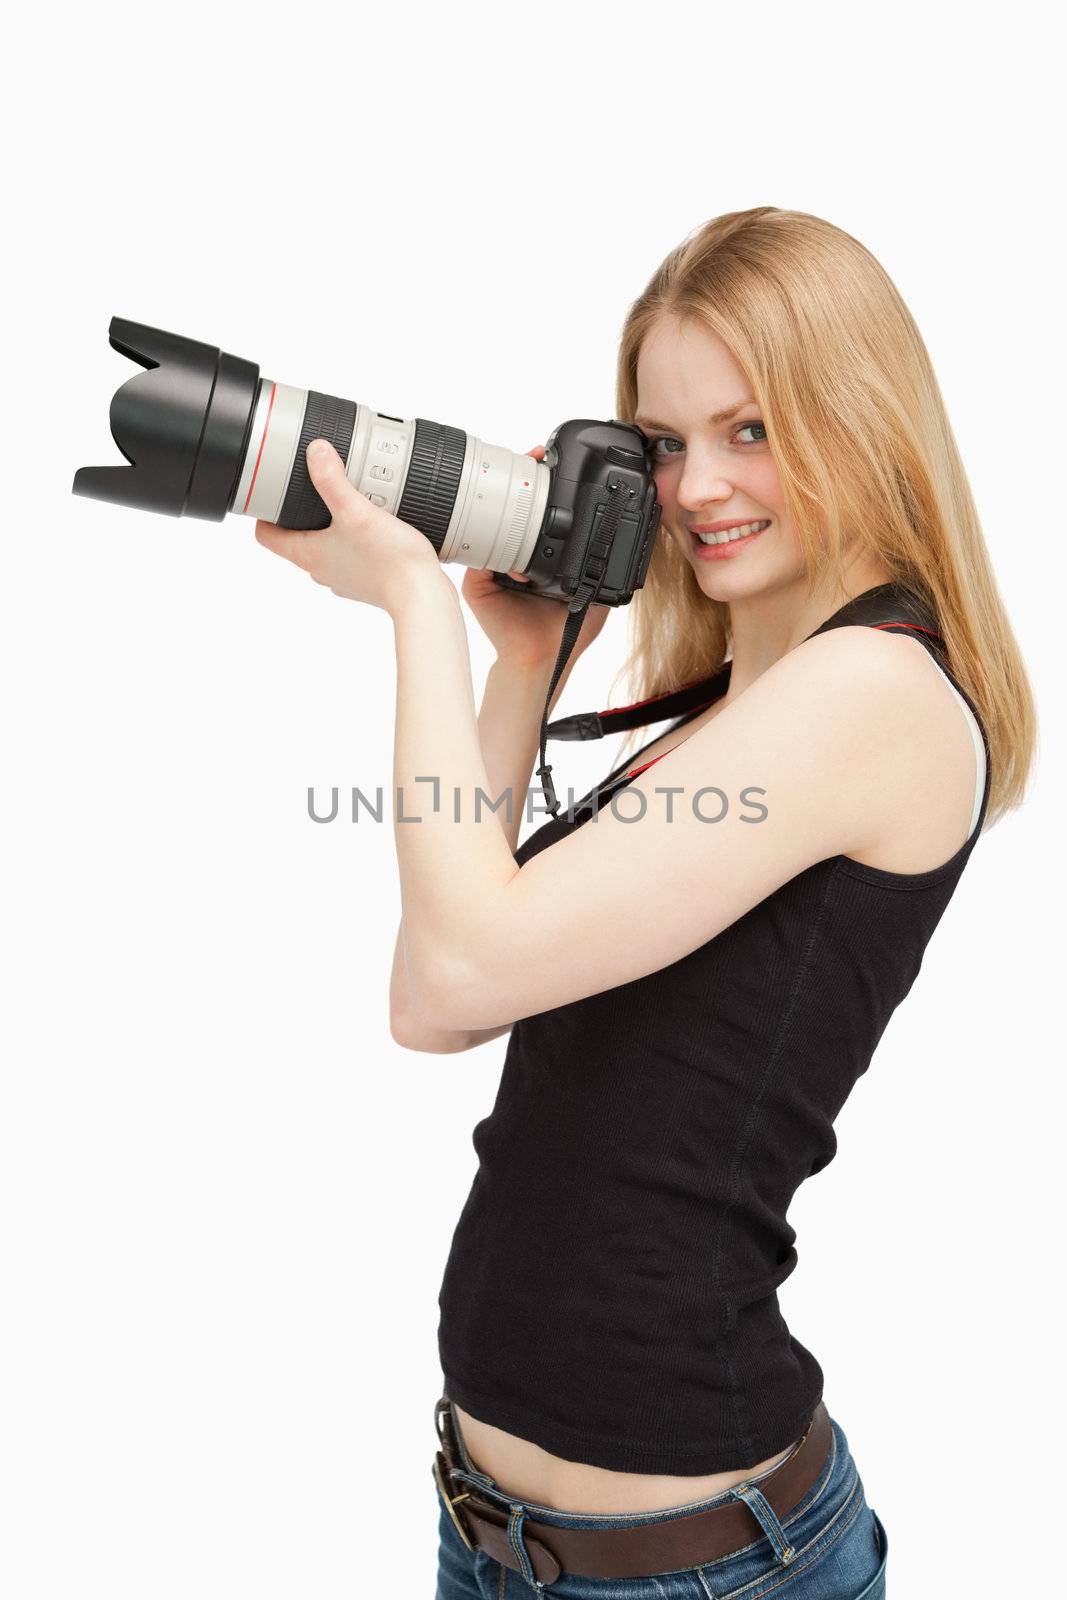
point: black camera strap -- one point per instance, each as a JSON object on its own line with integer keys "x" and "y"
{"x": 692, "y": 696}
{"x": 594, "y": 567}
{"x": 888, "y": 605}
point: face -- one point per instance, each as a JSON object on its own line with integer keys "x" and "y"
{"x": 712, "y": 469}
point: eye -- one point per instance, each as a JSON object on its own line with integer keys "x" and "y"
{"x": 663, "y": 439}
{"x": 674, "y": 447}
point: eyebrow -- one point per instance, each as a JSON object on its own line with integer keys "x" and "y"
{"x": 719, "y": 416}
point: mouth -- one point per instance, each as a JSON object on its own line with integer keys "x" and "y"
{"x": 727, "y": 541}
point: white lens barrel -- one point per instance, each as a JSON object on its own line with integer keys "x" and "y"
{"x": 500, "y": 502}
{"x": 498, "y": 511}
{"x": 380, "y": 455}
{"x": 268, "y": 465}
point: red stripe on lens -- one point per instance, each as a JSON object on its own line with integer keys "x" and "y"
{"x": 262, "y": 442}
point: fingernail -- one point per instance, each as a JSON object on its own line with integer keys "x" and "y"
{"x": 318, "y": 449}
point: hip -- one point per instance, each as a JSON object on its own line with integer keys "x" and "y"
{"x": 827, "y": 1544}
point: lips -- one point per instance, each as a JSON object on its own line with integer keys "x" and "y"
{"x": 728, "y": 544}
{"x": 723, "y": 527}
{"x": 724, "y": 532}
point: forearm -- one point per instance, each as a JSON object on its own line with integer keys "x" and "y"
{"x": 453, "y": 854}
{"x": 509, "y": 725}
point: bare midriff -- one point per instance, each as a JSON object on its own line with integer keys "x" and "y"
{"x": 530, "y": 1473}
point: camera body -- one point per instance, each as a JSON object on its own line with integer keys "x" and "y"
{"x": 590, "y": 462}
{"x": 203, "y": 434}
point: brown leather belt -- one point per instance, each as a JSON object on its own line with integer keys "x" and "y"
{"x": 636, "y": 1551}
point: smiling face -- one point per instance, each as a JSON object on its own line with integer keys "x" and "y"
{"x": 712, "y": 468}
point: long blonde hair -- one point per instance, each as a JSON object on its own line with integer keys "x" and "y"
{"x": 859, "y": 433}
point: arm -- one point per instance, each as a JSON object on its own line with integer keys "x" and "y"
{"x": 818, "y": 757}
{"x": 508, "y": 727}
{"x": 821, "y": 751}
{"x": 525, "y": 635}
{"x": 413, "y": 1032}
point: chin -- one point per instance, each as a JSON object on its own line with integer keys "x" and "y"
{"x": 732, "y": 586}
{"x": 740, "y": 577}
{"x": 764, "y": 568}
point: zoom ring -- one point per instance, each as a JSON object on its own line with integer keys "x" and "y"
{"x": 433, "y": 479}
{"x": 325, "y": 417}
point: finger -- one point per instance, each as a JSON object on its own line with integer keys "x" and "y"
{"x": 297, "y": 547}
{"x": 327, "y": 473}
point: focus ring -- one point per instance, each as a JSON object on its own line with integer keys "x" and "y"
{"x": 325, "y": 417}
{"x": 433, "y": 479}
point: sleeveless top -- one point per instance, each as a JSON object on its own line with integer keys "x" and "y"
{"x": 611, "y": 1289}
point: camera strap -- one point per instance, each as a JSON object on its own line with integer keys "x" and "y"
{"x": 890, "y": 605}
{"x": 594, "y": 567}
{"x": 657, "y": 708}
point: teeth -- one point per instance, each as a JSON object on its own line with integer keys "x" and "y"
{"x": 732, "y": 533}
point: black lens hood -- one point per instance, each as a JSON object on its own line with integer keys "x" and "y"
{"x": 182, "y": 425}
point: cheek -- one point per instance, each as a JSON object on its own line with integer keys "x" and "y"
{"x": 764, "y": 484}
{"x": 666, "y": 481}
{"x": 672, "y": 519}
{"x": 757, "y": 478}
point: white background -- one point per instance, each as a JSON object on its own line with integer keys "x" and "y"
{"x": 227, "y": 1196}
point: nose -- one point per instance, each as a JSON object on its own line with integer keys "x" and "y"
{"x": 700, "y": 486}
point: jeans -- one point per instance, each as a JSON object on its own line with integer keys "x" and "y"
{"x": 840, "y": 1548}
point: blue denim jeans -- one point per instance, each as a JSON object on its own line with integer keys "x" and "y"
{"x": 839, "y": 1548}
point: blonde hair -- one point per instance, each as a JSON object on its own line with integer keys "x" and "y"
{"x": 859, "y": 433}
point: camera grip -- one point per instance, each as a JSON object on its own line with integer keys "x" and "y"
{"x": 507, "y": 582}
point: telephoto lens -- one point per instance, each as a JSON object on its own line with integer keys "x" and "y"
{"x": 203, "y": 434}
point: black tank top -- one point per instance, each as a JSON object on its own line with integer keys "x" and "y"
{"x": 610, "y": 1293}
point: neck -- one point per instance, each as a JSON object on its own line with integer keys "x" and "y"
{"x": 765, "y": 627}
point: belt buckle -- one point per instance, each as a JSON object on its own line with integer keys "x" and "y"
{"x": 450, "y": 1500}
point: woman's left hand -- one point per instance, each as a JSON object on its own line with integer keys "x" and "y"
{"x": 366, "y": 553}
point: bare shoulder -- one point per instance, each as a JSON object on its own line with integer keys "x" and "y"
{"x": 853, "y": 744}
{"x": 878, "y": 656}
{"x": 851, "y": 687}
{"x": 893, "y": 716}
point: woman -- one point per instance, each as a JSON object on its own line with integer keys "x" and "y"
{"x": 693, "y": 984}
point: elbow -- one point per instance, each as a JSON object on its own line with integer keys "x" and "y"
{"x": 412, "y": 1035}
{"x": 478, "y": 1007}
{"x": 413, "y": 1031}
{"x": 444, "y": 1009}
{"x": 404, "y": 1031}
{"x": 451, "y": 995}
{"x": 430, "y": 1021}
